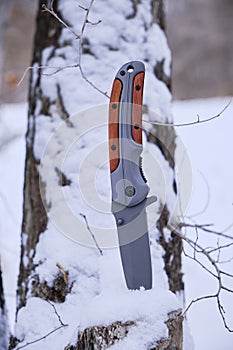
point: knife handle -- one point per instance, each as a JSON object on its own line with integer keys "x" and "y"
{"x": 137, "y": 97}
{"x": 113, "y": 125}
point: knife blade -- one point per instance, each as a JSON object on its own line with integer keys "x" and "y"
{"x": 128, "y": 184}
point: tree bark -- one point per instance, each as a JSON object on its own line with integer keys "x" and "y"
{"x": 50, "y": 105}
{"x": 4, "y": 335}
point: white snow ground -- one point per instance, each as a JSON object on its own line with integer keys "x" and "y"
{"x": 209, "y": 145}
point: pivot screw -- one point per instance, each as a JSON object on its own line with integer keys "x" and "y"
{"x": 120, "y": 222}
{"x": 130, "y": 191}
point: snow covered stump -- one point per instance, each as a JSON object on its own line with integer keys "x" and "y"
{"x": 115, "y": 335}
{"x": 95, "y": 311}
{"x": 100, "y": 338}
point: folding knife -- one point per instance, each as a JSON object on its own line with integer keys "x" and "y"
{"x": 129, "y": 187}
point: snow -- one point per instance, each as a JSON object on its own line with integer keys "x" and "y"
{"x": 13, "y": 120}
{"x": 127, "y": 305}
{"x": 203, "y": 153}
{"x": 94, "y": 284}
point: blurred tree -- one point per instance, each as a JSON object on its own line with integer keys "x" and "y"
{"x": 16, "y": 33}
{"x": 199, "y": 34}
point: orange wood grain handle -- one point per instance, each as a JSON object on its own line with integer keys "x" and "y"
{"x": 137, "y": 107}
{"x": 113, "y": 125}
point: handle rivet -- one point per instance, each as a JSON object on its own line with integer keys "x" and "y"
{"x": 138, "y": 87}
{"x": 130, "y": 191}
{"x": 114, "y": 106}
{"x": 120, "y": 222}
{"x": 113, "y": 147}
{"x": 122, "y": 72}
{"x": 136, "y": 126}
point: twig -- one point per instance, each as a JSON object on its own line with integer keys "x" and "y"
{"x": 217, "y": 275}
{"x": 65, "y": 273}
{"x": 91, "y": 233}
{"x": 62, "y": 324}
{"x": 226, "y": 261}
{"x": 57, "y": 69}
{"x": 203, "y": 228}
{"x": 41, "y": 338}
{"x": 57, "y": 314}
{"x": 79, "y": 37}
{"x": 92, "y": 84}
{"x": 198, "y": 121}
{"x": 51, "y": 11}
{"x": 207, "y": 200}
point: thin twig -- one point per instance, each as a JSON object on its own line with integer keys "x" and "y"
{"x": 203, "y": 228}
{"x": 64, "y": 273}
{"x": 92, "y": 84}
{"x": 57, "y": 69}
{"x": 80, "y": 39}
{"x": 41, "y": 338}
{"x": 202, "y": 211}
{"x": 198, "y": 121}
{"x": 217, "y": 275}
{"x": 91, "y": 233}
{"x": 57, "y": 314}
{"x": 53, "y": 13}
{"x": 62, "y": 324}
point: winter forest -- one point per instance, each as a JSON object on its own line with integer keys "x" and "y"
{"x": 116, "y": 197}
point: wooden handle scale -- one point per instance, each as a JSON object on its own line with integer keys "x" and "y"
{"x": 127, "y": 88}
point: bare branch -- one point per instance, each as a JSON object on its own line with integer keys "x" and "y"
{"x": 39, "y": 339}
{"x": 51, "y": 11}
{"x": 204, "y": 228}
{"x": 198, "y": 121}
{"x": 57, "y": 69}
{"x": 57, "y": 314}
{"x": 220, "y": 248}
{"x": 62, "y": 324}
{"x": 198, "y": 249}
{"x": 91, "y": 233}
{"x": 92, "y": 84}
{"x": 207, "y": 199}
{"x": 204, "y": 297}
{"x": 79, "y": 37}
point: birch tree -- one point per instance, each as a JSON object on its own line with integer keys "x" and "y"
{"x": 71, "y": 295}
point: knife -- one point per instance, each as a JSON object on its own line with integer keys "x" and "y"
{"x": 128, "y": 183}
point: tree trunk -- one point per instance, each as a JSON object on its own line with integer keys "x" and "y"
{"x": 61, "y": 281}
{"x": 3, "y": 318}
